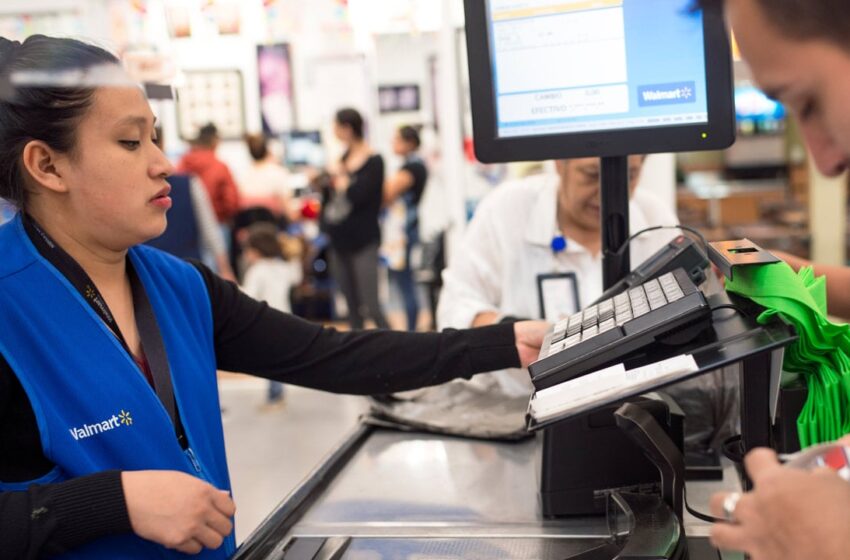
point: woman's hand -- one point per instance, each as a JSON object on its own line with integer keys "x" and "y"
{"x": 529, "y": 337}
{"x": 341, "y": 182}
{"x": 339, "y": 176}
{"x": 177, "y": 510}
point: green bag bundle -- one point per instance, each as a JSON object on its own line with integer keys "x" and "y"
{"x": 821, "y": 355}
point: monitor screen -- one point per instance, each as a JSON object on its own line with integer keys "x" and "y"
{"x": 303, "y": 147}
{"x": 575, "y": 74}
{"x": 756, "y": 113}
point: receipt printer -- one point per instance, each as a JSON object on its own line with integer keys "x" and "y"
{"x": 586, "y": 457}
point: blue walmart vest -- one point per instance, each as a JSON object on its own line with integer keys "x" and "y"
{"x": 95, "y": 411}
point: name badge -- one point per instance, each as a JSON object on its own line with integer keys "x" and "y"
{"x": 558, "y": 295}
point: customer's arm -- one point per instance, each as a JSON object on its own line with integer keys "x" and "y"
{"x": 472, "y": 283}
{"x": 837, "y": 282}
{"x": 251, "y": 337}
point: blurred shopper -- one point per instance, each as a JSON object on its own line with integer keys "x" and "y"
{"x": 192, "y": 231}
{"x": 350, "y": 208}
{"x": 402, "y": 193}
{"x": 202, "y": 161}
{"x": 266, "y": 183}
{"x": 270, "y": 277}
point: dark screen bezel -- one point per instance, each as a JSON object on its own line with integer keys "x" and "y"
{"x": 718, "y": 133}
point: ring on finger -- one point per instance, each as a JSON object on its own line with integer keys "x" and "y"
{"x": 730, "y": 502}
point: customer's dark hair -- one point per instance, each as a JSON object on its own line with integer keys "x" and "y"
{"x": 803, "y": 19}
{"x": 410, "y": 135}
{"x": 352, "y": 119}
{"x": 207, "y": 135}
{"x": 262, "y": 237}
{"x": 257, "y": 146}
{"x": 49, "y": 112}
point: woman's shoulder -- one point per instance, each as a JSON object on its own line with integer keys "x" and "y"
{"x": 166, "y": 264}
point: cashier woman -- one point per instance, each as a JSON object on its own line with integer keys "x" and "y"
{"x": 799, "y": 53}
{"x": 110, "y": 432}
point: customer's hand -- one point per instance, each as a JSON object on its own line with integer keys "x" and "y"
{"x": 793, "y": 260}
{"x": 791, "y": 514}
{"x": 529, "y": 337}
{"x": 177, "y": 510}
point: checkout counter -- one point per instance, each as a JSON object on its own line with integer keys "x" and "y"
{"x": 386, "y": 494}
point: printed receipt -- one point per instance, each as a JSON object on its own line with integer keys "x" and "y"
{"x": 605, "y": 386}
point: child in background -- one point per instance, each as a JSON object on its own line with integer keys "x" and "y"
{"x": 271, "y": 274}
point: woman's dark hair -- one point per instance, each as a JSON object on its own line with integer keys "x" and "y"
{"x": 802, "y": 19}
{"x": 352, "y": 119}
{"x": 410, "y": 135}
{"x": 262, "y": 237}
{"x": 257, "y": 146}
{"x": 49, "y": 112}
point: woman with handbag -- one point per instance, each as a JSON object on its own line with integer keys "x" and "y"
{"x": 350, "y": 208}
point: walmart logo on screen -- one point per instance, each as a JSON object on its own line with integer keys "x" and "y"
{"x": 667, "y": 94}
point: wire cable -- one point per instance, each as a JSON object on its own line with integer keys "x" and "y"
{"x": 733, "y": 307}
{"x": 622, "y": 249}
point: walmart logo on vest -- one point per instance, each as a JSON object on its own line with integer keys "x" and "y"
{"x": 123, "y": 418}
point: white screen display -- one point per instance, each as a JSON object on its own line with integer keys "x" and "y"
{"x": 563, "y": 66}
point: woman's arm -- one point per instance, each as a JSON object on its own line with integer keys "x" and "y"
{"x": 252, "y": 338}
{"x": 397, "y": 185}
{"x": 51, "y": 519}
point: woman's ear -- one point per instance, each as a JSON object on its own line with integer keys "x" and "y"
{"x": 41, "y": 163}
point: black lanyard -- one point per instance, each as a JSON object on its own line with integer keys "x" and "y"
{"x": 149, "y": 332}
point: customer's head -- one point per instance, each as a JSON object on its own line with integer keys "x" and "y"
{"x": 76, "y": 143}
{"x": 257, "y": 146}
{"x": 349, "y": 126}
{"x": 578, "y": 195}
{"x": 799, "y": 53}
{"x": 207, "y": 137}
{"x": 262, "y": 243}
{"x": 406, "y": 141}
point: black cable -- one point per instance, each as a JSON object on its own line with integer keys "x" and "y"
{"x": 625, "y": 245}
{"x": 731, "y": 306}
{"x": 699, "y": 515}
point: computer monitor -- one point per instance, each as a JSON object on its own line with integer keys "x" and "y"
{"x": 303, "y": 147}
{"x": 572, "y": 78}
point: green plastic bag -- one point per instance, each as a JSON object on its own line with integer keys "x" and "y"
{"x": 821, "y": 355}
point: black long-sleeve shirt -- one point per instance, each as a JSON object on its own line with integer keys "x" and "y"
{"x": 250, "y": 337}
{"x": 365, "y": 195}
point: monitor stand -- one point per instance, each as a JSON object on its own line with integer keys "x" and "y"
{"x": 614, "y": 215}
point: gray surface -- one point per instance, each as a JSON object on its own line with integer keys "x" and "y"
{"x": 410, "y": 484}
